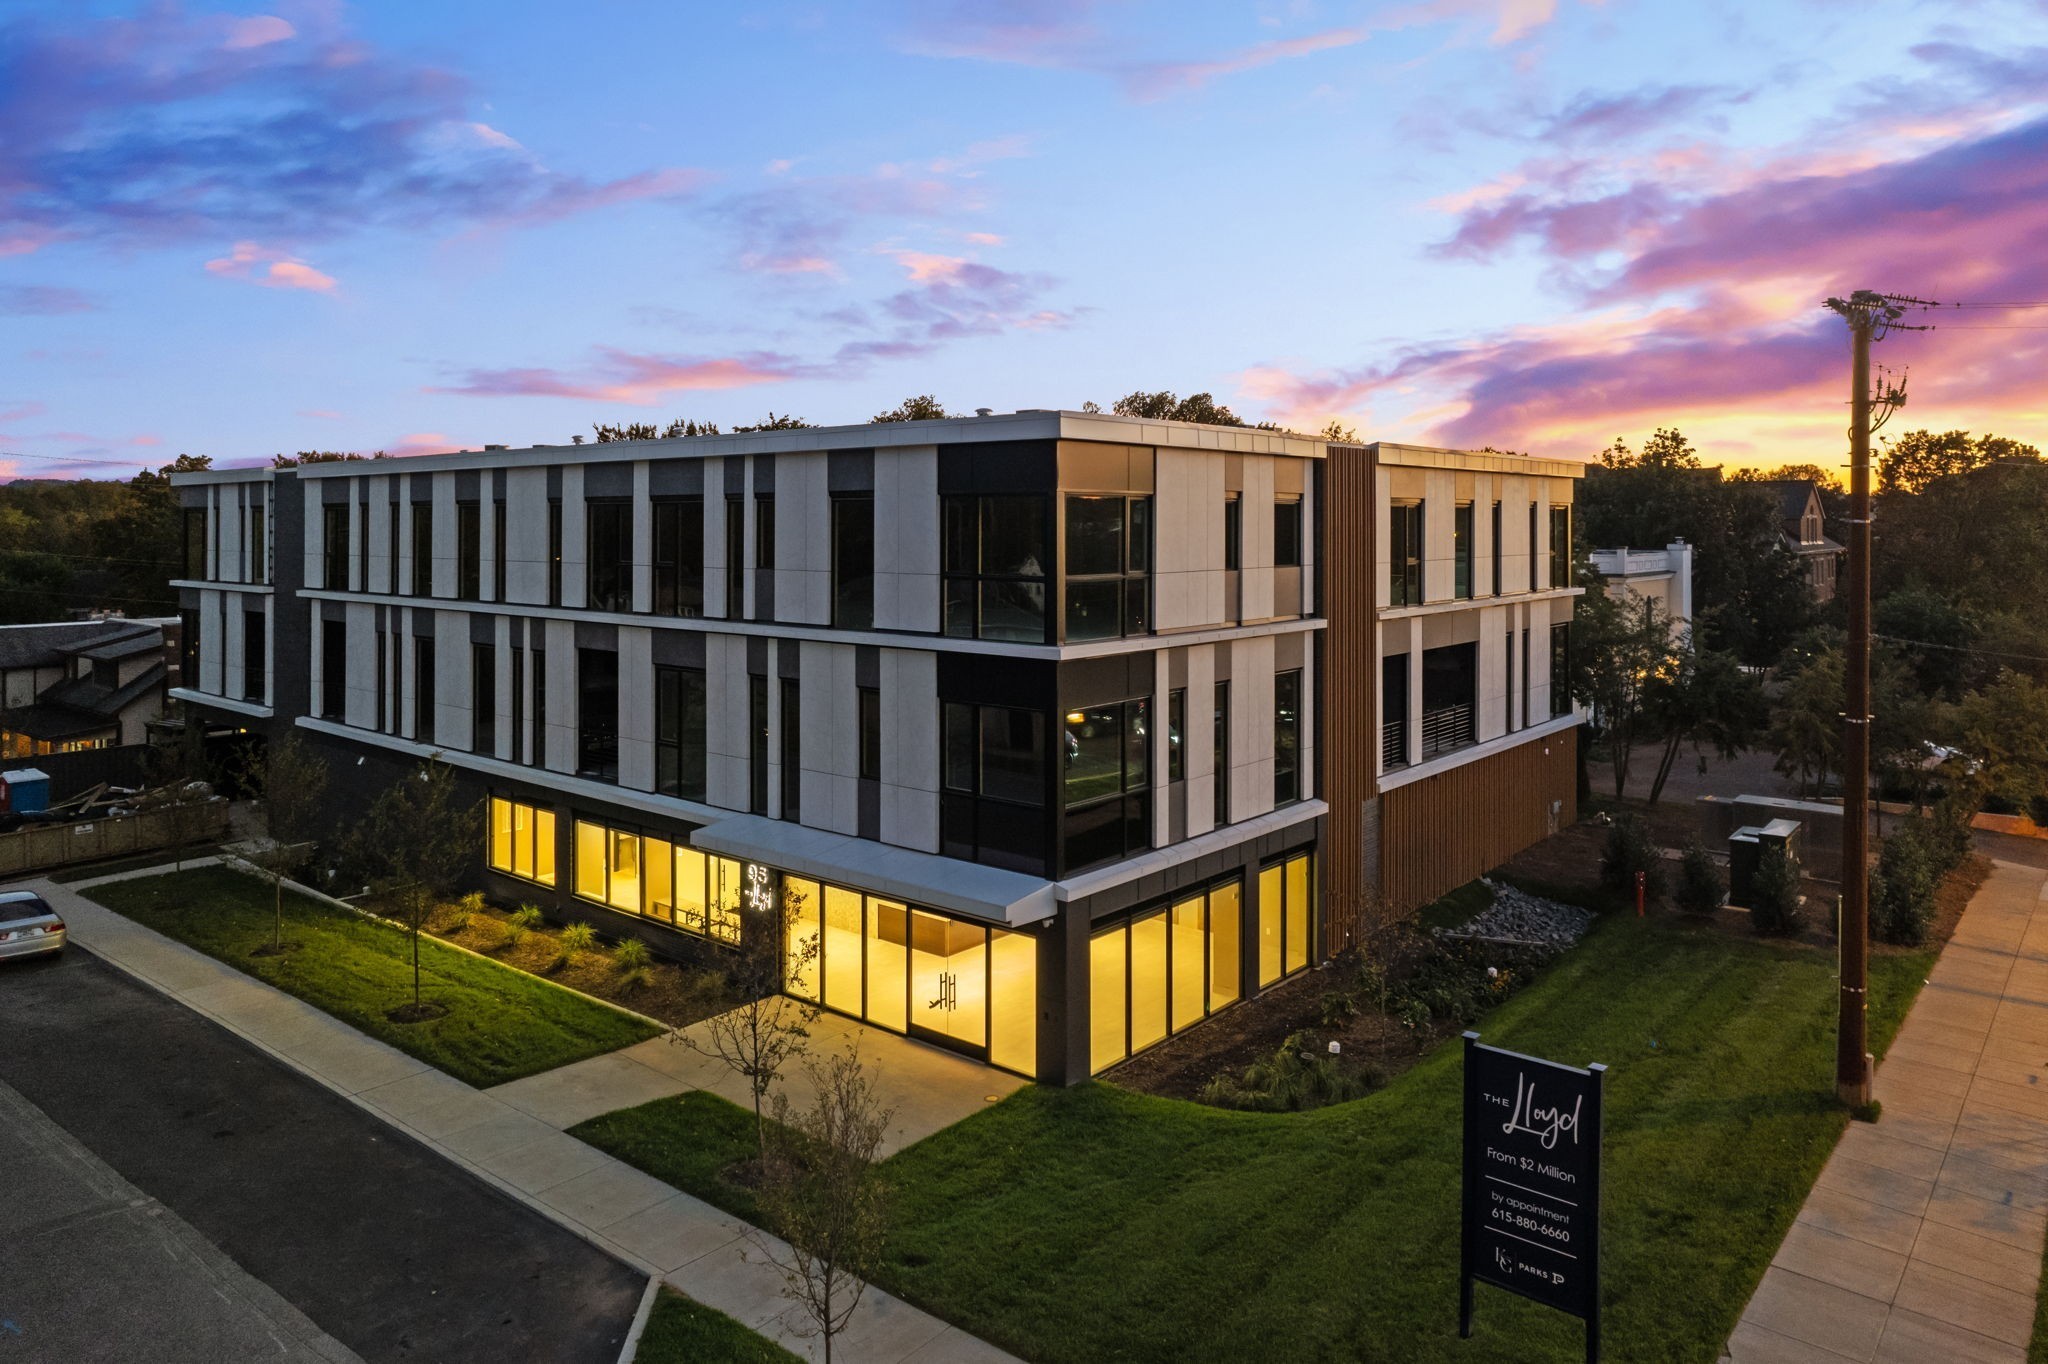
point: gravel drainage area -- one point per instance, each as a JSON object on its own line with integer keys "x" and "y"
{"x": 1518, "y": 917}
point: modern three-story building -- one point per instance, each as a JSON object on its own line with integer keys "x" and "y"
{"x": 1034, "y": 723}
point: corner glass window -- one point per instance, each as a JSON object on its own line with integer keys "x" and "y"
{"x": 995, "y": 567}
{"x": 1106, "y": 782}
{"x": 1108, "y": 566}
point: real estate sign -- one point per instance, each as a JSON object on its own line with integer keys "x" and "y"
{"x": 1532, "y": 1183}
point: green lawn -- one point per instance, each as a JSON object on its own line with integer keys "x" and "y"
{"x": 501, "y": 1024}
{"x": 686, "y": 1140}
{"x": 680, "y": 1331}
{"x": 1093, "y": 1223}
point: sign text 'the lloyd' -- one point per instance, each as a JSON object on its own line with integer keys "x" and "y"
{"x": 1531, "y": 1219}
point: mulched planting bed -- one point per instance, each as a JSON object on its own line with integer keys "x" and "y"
{"x": 676, "y": 994}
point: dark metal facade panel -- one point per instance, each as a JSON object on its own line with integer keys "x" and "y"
{"x": 597, "y": 634}
{"x": 1002, "y": 466}
{"x": 675, "y": 478}
{"x": 849, "y": 471}
{"x": 611, "y": 479}
{"x": 679, "y": 648}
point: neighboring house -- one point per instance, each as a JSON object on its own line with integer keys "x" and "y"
{"x": 1035, "y": 722}
{"x": 1803, "y": 525}
{"x": 75, "y": 685}
{"x": 1663, "y": 576}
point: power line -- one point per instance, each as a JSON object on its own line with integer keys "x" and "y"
{"x": 1960, "y": 648}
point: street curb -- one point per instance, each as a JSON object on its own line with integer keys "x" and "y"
{"x": 639, "y": 1326}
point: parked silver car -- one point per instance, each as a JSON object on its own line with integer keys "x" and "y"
{"x": 28, "y": 926}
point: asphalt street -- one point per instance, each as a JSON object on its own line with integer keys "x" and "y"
{"x": 184, "y": 1196}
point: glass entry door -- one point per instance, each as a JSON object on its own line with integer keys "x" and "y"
{"x": 949, "y": 982}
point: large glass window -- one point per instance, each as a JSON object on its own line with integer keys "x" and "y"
{"x": 1461, "y": 550}
{"x": 1106, "y": 782}
{"x": 255, "y": 654}
{"x": 693, "y": 891}
{"x": 333, "y": 669}
{"x": 1108, "y": 566}
{"x": 1163, "y": 970}
{"x": 423, "y": 549}
{"x": 608, "y": 552}
{"x": 1561, "y": 669}
{"x": 483, "y": 698}
{"x": 679, "y": 557}
{"x": 334, "y": 548}
{"x": 259, "y": 548}
{"x": 1233, "y": 532}
{"x": 469, "y": 551}
{"x": 757, "y": 744}
{"x": 1496, "y": 549}
{"x": 554, "y": 553}
{"x": 1394, "y": 711}
{"x": 1176, "y": 734}
{"x": 195, "y": 545}
{"x": 597, "y": 714}
{"x": 1404, "y": 554}
{"x": 1561, "y": 545}
{"x": 1287, "y": 917}
{"x": 523, "y": 840}
{"x": 423, "y": 688}
{"x": 853, "y": 561}
{"x": 1287, "y": 532}
{"x": 764, "y": 530}
{"x": 679, "y": 732}
{"x": 791, "y": 750}
{"x": 1287, "y": 700}
{"x": 735, "y": 556}
{"x": 948, "y": 980}
{"x": 995, "y": 567}
{"x": 1449, "y": 691}
{"x": 992, "y": 771}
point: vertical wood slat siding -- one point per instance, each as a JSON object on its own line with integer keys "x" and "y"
{"x": 1350, "y": 679}
{"x": 1442, "y": 831}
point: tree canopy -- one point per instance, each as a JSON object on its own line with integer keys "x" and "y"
{"x": 1911, "y": 462}
{"x": 922, "y": 407}
{"x": 1748, "y": 594}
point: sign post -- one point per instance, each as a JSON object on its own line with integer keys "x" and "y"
{"x": 1531, "y": 1219}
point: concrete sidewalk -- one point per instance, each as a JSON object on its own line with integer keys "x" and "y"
{"x": 693, "y": 1246}
{"x": 928, "y": 1089}
{"x": 1922, "y": 1238}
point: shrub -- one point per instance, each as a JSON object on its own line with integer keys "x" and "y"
{"x": 632, "y": 960}
{"x": 1902, "y": 889}
{"x": 472, "y": 903}
{"x": 1774, "y": 910}
{"x": 2037, "y": 810}
{"x": 1700, "y": 888}
{"x": 464, "y": 910}
{"x": 572, "y": 942}
{"x": 1630, "y": 850}
{"x": 524, "y": 920}
{"x": 1302, "y": 1074}
{"x": 1949, "y": 833}
{"x": 1338, "y": 1007}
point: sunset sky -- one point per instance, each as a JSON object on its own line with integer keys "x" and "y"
{"x": 1534, "y": 224}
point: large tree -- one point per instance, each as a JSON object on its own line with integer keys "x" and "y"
{"x": 920, "y": 407}
{"x": 1913, "y": 461}
{"x": 1749, "y": 596}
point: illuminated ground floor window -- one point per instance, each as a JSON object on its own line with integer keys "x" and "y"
{"x": 962, "y": 984}
{"x": 699, "y": 893}
{"x": 1163, "y": 970}
{"x": 523, "y": 840}
{"x": 1286, "y": 917}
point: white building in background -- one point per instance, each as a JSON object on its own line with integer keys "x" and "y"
{"x": 1663, "y": 576}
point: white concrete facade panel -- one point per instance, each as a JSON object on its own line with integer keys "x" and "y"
{"x": 910, "y": 748}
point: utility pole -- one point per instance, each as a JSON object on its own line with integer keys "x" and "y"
{"x": 1869, "y": 315}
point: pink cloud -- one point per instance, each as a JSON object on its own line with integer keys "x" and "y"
{"x": 270, "y": 268}
{"x": 420, "y": 443}
{"x": 1156, "y": 80}
{"x": 1704, "y": 307}
{"x": 259, "y": 30}
{"x": 626, "y": 377}
{"x": 321, "y": 413}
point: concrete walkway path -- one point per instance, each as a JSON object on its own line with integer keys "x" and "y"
{"x": 701, "y": 1251}
{"x": 927, "y": 1088}
{"x": 1922, "y": 1238}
